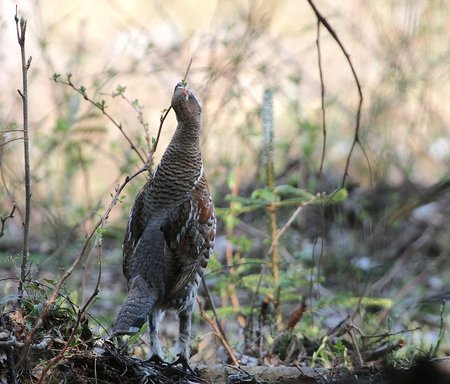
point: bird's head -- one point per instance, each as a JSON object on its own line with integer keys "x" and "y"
{"x": 184, "y": 102}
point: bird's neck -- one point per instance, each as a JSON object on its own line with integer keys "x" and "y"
{"x": 182, "y": 158}
{"x": 187, "y": 137}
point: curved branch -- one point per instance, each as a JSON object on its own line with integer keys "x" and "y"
{"x": 322, "y": 20}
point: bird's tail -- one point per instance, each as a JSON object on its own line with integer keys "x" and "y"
{"x": 134, "y": 312}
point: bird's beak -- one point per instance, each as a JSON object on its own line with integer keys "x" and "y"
{"x": 185, "y": 93}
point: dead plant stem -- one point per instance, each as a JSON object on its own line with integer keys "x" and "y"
{"x": 356, "y": 139}
{"x": 4, "y": 219}
{"x": 216, "y": 325}
{"x": 21, "y": 27}
{"x": 267, "y": 117}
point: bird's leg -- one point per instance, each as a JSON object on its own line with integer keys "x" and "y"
{"x": 183, "y": 340}
{"x": 156, "y": 353}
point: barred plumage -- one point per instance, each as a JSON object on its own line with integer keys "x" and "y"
{"x": 170, "y": 234}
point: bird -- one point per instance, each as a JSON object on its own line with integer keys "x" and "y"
{"x": 169, "y": 236}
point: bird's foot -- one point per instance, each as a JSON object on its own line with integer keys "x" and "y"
{"x": 156, "y": 359}
{"x": 184, "y": 363}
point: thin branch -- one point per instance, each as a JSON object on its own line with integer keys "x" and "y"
{"x": 359, "y": 359}
{"x": 4, "y": 219}
{"x": 442, "y": 326}
{"x": 187, "y": 70}
{"x": 166, "y": 111}
{"x": 322, "y": 99}
{"x": 102, "y": 107}
{"x": 356, "y": 139}
{"x": 164, "y": 114}
{"x": 11, "y": 130}
{"x": 83, "y": 310}
{"x": 216, "y": 325}
{"x": 383, "y": 350}
{"x": 21, "y": 27}
{"x": 285, "y": 227}
{"x": 138, "y": 109}
{"x": 11, "y": 140}
{"x": 268, "y": 141}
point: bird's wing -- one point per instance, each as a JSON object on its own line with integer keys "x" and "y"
{"x": 189, "y": 231}
{"x": 133, "y": 233}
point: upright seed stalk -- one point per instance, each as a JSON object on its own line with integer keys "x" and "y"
{"x": 267, "y": 118}
{"x": 21, "y": 27}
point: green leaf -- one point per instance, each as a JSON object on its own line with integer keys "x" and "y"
{"x": 62, "y": 125}
{"x": 120, "y": 90}
{"x": 336, "y": 197}
{"x": 286, "y": 190}
{"x": 265, "y": 194}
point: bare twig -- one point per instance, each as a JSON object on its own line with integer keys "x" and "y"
{"x": 102, "y": 107}
{"x": 268, "y": 128}
{"x": 83, "y": 310}
{"x": 285, "y": 227}
{"x": 9, "y": 340}
{"x": 164, "y": 114}
{"x": 231, "y": 288}
{"x": 187, "y": 70}
{"x": 11, "y": 140}
{"x": 140, "y": 115}
{"x": 4, "y": 219}
{"x": 356, "y": 139}
{"x": 21, "y": 27}
{"x": 441, "y": 330}
{"x": 359, "y": 358}
{"x": 217, "y": 328}
{"x": 382, "y": 350}
{"x": 322, "y": 99}
{"x": 166, "y": 111}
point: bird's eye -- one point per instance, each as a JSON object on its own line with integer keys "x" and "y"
{"x": 179, "y": 85}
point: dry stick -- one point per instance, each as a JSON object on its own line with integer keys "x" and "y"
{"x": 217, "y": 328}
{"x": 166, "y": 111}
{"x": 281, "y": 231}
{"x": 21, "y": 32}
{"x": 161, "y": 122}
{"x": 4, "y": 219}
{"x": 81, "y": 312}
{"x": 356, "y": 139}
{"x": 441, "y": 330}
{"x": 231, "y": 289}
{"x": 360, "y": 361}
{"x": 267, "y": 118}
{"x": 187, "y": 70}
{"x": 322, "y": 99}
{"x": 11, "y": 140}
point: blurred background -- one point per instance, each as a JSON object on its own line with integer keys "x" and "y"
{"x": 387, "y": 240}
